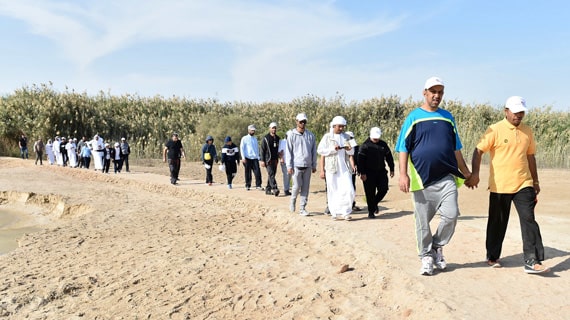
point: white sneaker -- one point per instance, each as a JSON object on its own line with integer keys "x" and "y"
{"x": 439, "y": 259}
{"x": 304, "y": 213}
{"x": 427, "y": 266}
{"x": 347, "y": 218}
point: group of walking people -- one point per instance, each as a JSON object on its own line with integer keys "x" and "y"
{"x": 431, "y": 168}
{"x": 72, "y": 153}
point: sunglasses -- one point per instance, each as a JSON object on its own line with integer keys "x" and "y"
{"x": 303, "y": 121}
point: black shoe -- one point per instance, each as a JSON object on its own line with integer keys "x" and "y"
{"x": 327, "y": 211}
{"x": 276, "y": 193}
{"x": 287, "y": 193}
{"x": 371, "y": 216}
{"x": 268, "y": 192}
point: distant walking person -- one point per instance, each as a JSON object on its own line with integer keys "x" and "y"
{"x": 85, "y": 155}
{"x": 249, "y": 149}
{"x": 39, "y": 148}
{"x": 98, "y": 151}
{"x": 430, "y": 144}
{"x": 117, "y": 157}
{"x": 372, "y": 158}
{"x": 270, "y": 158}
{"x": 49, "y": 152}
{"x": 230, "y": 159}
{"x": 209, "y": 156}
{"x": 283, "y": 164}
{"x": 173, "y": 151}
{"x": 513, "y": 180}
{"x": 23, "y": 144}
{"x": 301, "y": 157}
{"x": 57, "y": 151}
{"x": 125, "y": 151}
{"x": 106, "y": 158}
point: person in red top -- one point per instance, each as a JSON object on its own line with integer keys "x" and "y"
{"x": 513, "y": 179}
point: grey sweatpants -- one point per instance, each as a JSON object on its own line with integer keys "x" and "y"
{"x": 301, "y": 183}
{"x": 440, "y": 196}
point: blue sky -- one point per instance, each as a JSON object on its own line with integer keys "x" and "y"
{"x": 248, "y": 50}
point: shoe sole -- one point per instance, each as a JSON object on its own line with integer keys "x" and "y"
{"x": 536, "y": 271}
{"x": 494, "y": 264}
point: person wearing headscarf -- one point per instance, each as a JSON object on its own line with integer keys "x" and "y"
{"x": 49, "y": 152}
{"x": 98, "y": 149}
{"x": 71, "y": 150}
{"x": 338, "y": 169}
{"x": 57, "y": 151}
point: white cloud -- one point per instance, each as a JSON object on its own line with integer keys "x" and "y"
{"x": 267, "y": 38}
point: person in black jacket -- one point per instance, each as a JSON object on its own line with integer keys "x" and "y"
{"x": 372, "y": 158}
{"x": 270, "y": 158}
{"x": 230, "y": 159}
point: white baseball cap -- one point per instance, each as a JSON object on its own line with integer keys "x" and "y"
{"x": 375, "y": 133}
{"x": 432, "y": 82}
{"x": 516, "y": 104}
{"x": 301, "y": 117}
{"x": 272, "y": 124}
{"x": 251, "y": 127}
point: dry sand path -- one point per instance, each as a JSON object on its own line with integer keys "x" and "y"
{"x": 132, "y": 246}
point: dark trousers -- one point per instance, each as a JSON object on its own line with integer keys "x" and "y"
{"x": 209, "y": 177}
{"x": 86, "y": 162}
{"x": 271, "y": 167}
{"x": 375, "y": 189}
{"x": 231, "y": 169}
{"x": 499, "y": 210}
{"x": 174, "y": 166}
{"x": 252, "y": 165}
{"x": 106, "y": 165}
{"x": 117, "y": 165}
{"x": 39, "y": 156}
{"x": 126, "y": 161}
{"x": 24, "y": 153}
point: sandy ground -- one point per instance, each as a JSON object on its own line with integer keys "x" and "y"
{"x": 132, "y": 246}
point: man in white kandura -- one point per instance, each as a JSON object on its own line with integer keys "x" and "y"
{"x": 337, "y": 150}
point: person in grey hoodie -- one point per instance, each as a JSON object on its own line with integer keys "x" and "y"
{"x": 301, "y": 155}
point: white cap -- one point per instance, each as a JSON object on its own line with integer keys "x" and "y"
{"x": 123, "y": 139}
{"x": 432, "y": 82}
{"x": 516, "y": 104}
{"x": 375, "y": 133}
{"x": 350, "y": 134}
{"x": 116, "y": 144}
{"x": 338, "y": 120}
{"x": 301, "y": 117}
{"x": 251, "y": 127}
{"x": 272, "y": 124}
